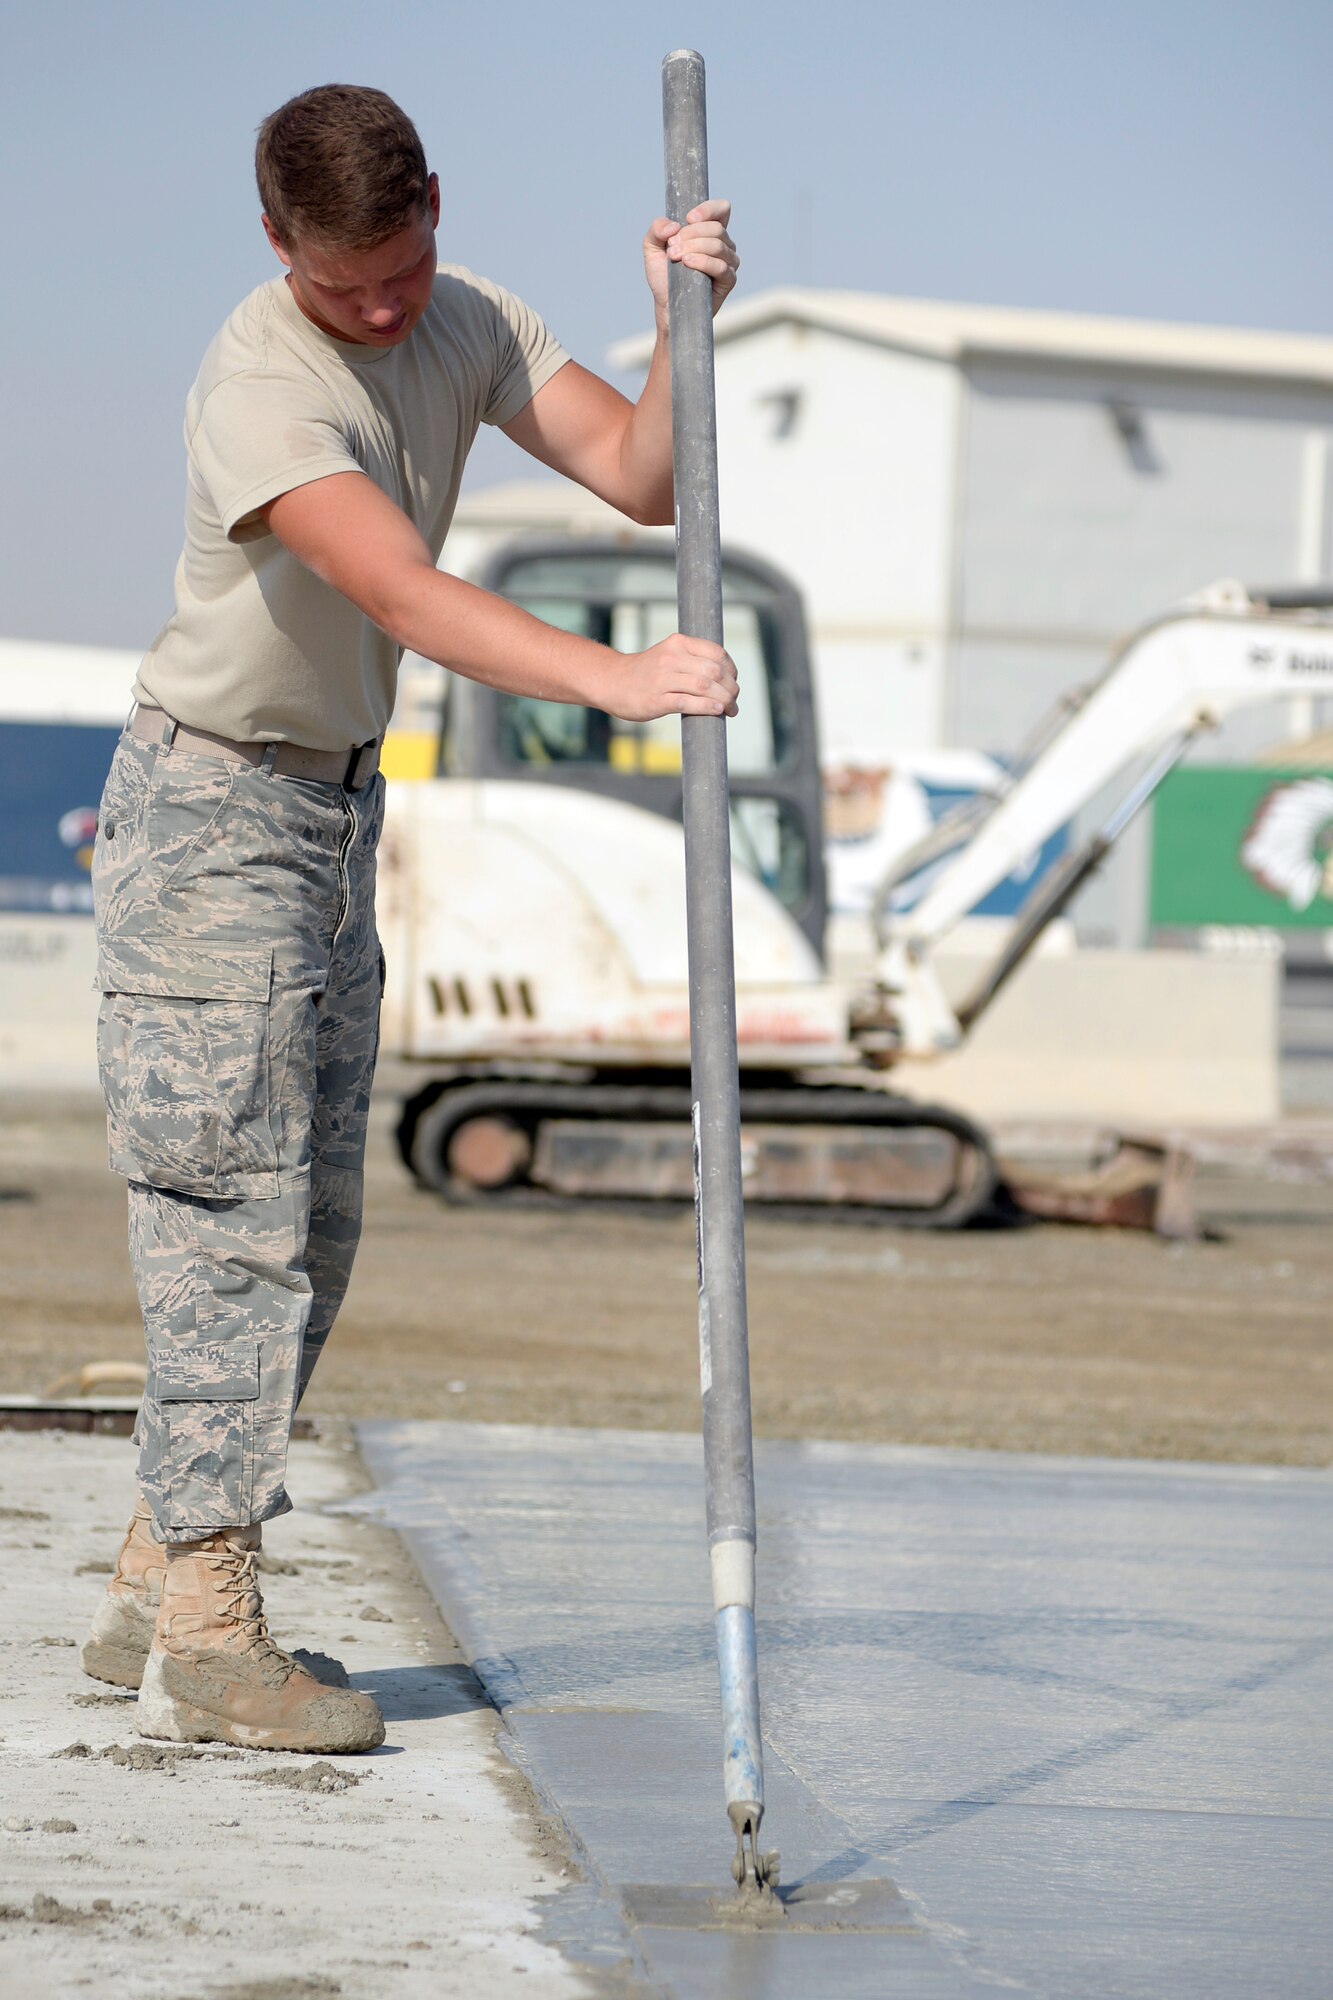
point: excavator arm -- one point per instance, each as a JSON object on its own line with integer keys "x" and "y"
{"x": 1226, "y": 649}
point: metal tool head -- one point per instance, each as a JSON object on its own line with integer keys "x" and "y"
{"x": 755, "y": 1874}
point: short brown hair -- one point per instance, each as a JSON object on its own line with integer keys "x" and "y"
{"x": 340, "y": 166}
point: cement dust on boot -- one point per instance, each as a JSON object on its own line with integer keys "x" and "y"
{"x": 117, "y": 1647}
{"x": 215, "y": 1676}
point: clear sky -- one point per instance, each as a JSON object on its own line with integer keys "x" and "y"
{"x": 1164, "y": 158}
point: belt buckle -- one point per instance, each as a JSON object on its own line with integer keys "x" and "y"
{"x": 353, "y": 777}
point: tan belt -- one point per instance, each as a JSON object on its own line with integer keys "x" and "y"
{"x": 349, "y": 768}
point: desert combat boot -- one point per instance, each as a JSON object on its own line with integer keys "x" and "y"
{"x": 215, "y": 1676}
{"x": 116, "y": 1649}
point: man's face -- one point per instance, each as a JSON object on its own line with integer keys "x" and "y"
{"x": 372, "y": 297}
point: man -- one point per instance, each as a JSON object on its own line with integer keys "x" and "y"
{"x": 234, "y": 867}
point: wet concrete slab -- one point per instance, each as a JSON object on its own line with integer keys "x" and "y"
{"x": 1068, "y": 1717}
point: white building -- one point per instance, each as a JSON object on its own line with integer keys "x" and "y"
{"x": 978, "y": 503}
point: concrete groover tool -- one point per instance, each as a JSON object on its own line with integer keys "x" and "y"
{"x": 724, "y": 1364}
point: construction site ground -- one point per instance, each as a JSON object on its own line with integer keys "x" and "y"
{"x": 138, "y": 1871}
{"x": 1045, "y": 1338}
{"x": 1035, "y": 1725}
{"x": 134, "y": 1873}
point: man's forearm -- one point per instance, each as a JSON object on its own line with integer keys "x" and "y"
{"x": 486, "y": 638}
{"x": 355, "y": 540}
{"x": 645, "y": 449}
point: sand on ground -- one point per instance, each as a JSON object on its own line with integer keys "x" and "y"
{"x": 1048, "y": 1338}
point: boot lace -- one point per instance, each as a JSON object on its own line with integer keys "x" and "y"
{"x": 235, "y": 1581}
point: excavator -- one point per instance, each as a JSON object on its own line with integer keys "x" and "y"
{"x": 531, "y": 903}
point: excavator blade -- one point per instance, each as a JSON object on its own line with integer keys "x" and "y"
{"x": 1140, "y": 1183}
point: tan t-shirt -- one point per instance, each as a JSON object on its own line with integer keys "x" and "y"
{"x": 257, "y": 647}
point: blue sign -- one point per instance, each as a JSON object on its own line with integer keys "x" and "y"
{"x": 51, "y": 778}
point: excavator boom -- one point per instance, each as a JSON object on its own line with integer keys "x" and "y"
{"x": 1177, "y": 678}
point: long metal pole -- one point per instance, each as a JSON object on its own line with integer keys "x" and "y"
{"x": 724, "y": 1363}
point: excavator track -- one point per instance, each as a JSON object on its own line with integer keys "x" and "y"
{"x": 824, "y": 1151}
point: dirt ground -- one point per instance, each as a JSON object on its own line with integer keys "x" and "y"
{"x": 1038, "y": 1339}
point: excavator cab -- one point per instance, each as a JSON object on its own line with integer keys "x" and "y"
{"x": 540, "y": 939}
{"x": 623, "y": 594}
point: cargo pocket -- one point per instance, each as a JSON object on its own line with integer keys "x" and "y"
{"x": 183, "y": 1050}
{"x": 206, "y": 1392}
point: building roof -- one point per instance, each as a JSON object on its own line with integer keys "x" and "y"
{"x": 539, "y": 504}
{"x": 45, "y": 682}
{"x": 953, "y": 332}
{"x": 537, "y": 509}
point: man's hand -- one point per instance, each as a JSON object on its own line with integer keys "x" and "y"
{"x": 677, "y": 676}
{"x": 700, "y": 243}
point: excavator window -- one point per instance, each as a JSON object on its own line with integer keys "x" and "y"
{"x": 552, "y": 732}
{"x": 768, "y": 837}
{"x": 624, "y": 596}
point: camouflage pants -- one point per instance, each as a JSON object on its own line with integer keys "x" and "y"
{"x": 241, "y": 977}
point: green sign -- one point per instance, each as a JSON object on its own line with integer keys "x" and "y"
{"x": 1235, "y": 845}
